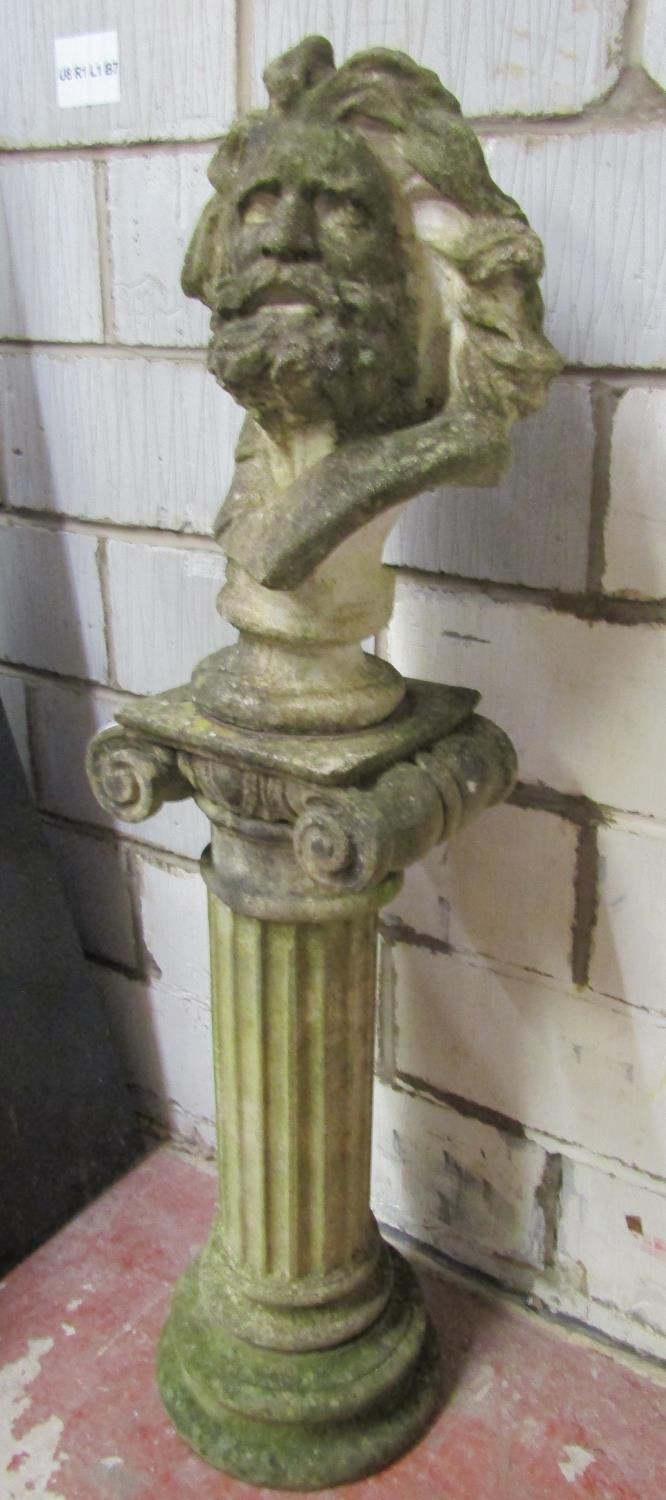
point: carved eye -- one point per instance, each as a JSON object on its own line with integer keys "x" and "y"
{"x": 260, "y": 206}
{"x": 337, "y": 210}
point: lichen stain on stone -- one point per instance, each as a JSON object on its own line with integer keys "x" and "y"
{"x": 27, "y": 1458}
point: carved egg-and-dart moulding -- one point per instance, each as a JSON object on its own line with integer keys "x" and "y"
{"x": 375, "y": 309}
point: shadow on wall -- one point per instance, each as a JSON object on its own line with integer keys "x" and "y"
{"x": 54, "y": 651}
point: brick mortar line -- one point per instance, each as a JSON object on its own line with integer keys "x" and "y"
{"x": 420, "y": 1088}
{"x": 128, "y": 844}
{"x": 57, "y": 522}
{"x": 642, "y": 108}
{"x": 611, "y": 609}
{"x": 102, "y": 565}
{"x": 593, "y": 607}
{"x": 187, "y": 354}
{"x": 604, "y": 403}
{"x": 526, "y": 1303}
{"x": 586, "y": 904}
{"x": 396, "y": 934}
{"x": 104, "y": 249}
{"x": 244, "y": 33}
{"x": 528, "y": 796}
{"x": 35, "y": 676}
{"x": 622, "y": 375}
{"x": 539, "y": 799}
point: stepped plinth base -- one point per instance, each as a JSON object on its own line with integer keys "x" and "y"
{"x": 307, "y": 1420}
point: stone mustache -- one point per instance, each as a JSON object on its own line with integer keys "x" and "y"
{"x": 375, "y": 308}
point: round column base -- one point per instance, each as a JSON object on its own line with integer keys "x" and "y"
{"x": 308, "y": 1420}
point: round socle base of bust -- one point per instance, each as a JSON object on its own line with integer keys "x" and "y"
{"x": 304, "y": 692}
{"x": 307, "y": 1420}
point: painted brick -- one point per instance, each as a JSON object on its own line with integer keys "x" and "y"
{"x": 95, "y": 878}
{"x": 532, "y": 528}
{"x": 154, "y": 201}
{"x": 64, "y": 720}
{"x": 604, "y": 292}
{"x": 579, "y": 1068}
{"x": 13, "y": 699}
{"x": 497, "y": 57}
{"x": 150, "y": 441}
{"x": 174, "y": 924}
{"x": 164, "y": 1039}
{"x": 504, "y": 889}
{"x": 628, "y": 956}
{"x": 453, "y": 1183}
{"x": 49, "y": 276}
{"x": 177, "y": 67}
{"x": 162, "y": 613}
{"x": 571, "y": 694}
{"x": 636, "y": 521}
{"x": 615, "y": 1228}
{"x": 52, "y": 602}
{"x": 654, "y": 42}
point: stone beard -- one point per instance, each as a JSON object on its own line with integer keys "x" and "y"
{"x": 312, "y": 318}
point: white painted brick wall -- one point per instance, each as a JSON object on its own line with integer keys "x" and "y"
{"x": 96, "y": 879}
{"x": 522, "y": 57}
{"x": 164, "y": 1038}
{"x": 49, "y": 254}
{"x": 504, "y": 888}
{"x": 51, "y": 601}
{"x": 177, "y": 63}
{"x": 454, "y": 1183}
{"x": 13, "y": 698}
{"x": 64, "y": 719}
{"x": 533, "y": 527}
{"x": 174, "y": 901}
{"x": 581, "y": 701}
{"x": 629, "y": 953}
{"x": 615, "y": 1227}
{"x": 579, "y": 1068}
{"x": 162, "y": 612}
{"x": 636, "y": 523}
{"x": 149, "y": 441}
{"x": 598, "y": 202}
{"x": 154, "y": 201}
{"x": 124, "y": 444}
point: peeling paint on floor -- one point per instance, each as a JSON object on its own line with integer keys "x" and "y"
{"x": 527, "y": 1410}
{"x": 576, "y": 1463}
{"x": 28, "y": 1457}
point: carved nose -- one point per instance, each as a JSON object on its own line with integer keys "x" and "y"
{"x": 291, "y": 233}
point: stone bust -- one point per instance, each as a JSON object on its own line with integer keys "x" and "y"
{"x": 374, "y": 303}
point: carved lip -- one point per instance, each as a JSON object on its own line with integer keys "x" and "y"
{"x": 288, "y": 298}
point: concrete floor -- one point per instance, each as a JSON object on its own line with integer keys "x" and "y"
{"x": 533, "y": 1413}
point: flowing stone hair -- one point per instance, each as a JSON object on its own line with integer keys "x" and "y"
{"x": 483, "y": 269}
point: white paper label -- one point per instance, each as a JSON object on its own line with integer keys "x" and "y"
{"x": 87, "y": 69}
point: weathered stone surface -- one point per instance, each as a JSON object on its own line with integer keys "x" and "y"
{"x": 375, "y": 308}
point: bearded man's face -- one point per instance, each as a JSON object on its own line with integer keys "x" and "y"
{"x": 312, "y": 317}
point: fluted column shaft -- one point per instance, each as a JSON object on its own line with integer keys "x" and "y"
{"x": 293, "y": 1042}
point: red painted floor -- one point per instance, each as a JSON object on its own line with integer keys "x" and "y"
{"x": 532, "y": 1413}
